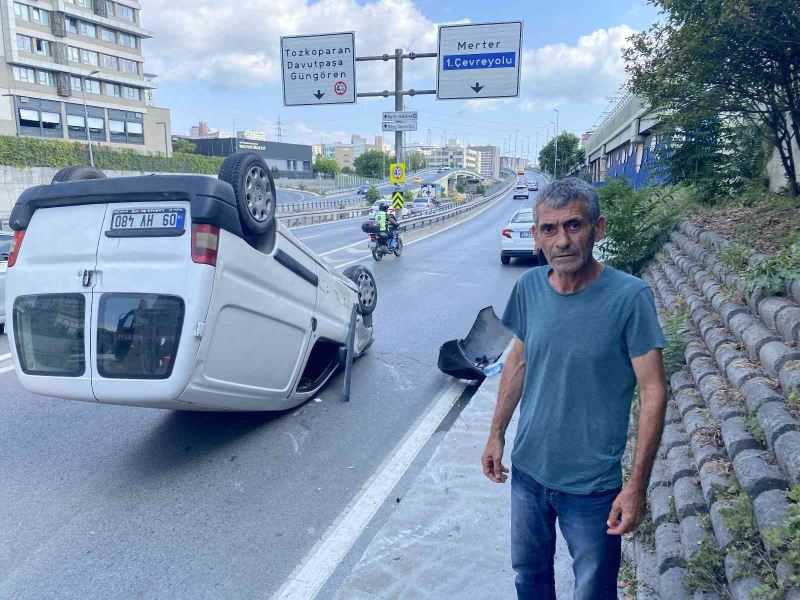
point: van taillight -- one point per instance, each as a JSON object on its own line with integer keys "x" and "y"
{"x": 16, "y": 244}
{"x": 205, "y": 242}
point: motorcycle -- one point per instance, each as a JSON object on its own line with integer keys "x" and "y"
{"x": 381, "y": 243}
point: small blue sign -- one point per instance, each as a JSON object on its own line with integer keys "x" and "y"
{"x": 494, "y": 60}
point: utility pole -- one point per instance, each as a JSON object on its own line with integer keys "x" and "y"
{"x": 516, "y": 151}
{"x": 536, "y": 150}
{"x": 555, "y": 158}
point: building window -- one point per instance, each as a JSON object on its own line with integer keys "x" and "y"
{"x": 110, "y": 8}
{"x": 88, "y": 29}
{"x": 92, "y": 86}
{"x": 108, "y": 35}
{"x": 72, "y": 24}
{"x": 51, "y": 124}
{"x": 42, "y": 48}
{"x": 76, "y": 127}
{"x": 131, "y": 93}
{"x": 24, "y": 43}
{"x": 113, "y": 90}
{"x": 46, "y": 78}
{"x": 81, "y": 3}
{"x": 29, "y": 118}
{"x": 97, "y": 128}
{"x": 135, "y": 132}
{"x": 21, "y": 11}
{"x": 127, "y": 40}
{"x": 129, "y": 66}
{"x": 75, "y": 83}
{"x": 90, "y": 58}
{"x": 24, "y": 74}
{"x": 73, "y": 54}
{"x": 117, "y": 131}
{"x": 126, "y": 12}
{"x": 40, "y": 16}
{"x": 110, "y": 62}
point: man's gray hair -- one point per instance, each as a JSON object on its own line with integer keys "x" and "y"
{"x": 560, "y": 193}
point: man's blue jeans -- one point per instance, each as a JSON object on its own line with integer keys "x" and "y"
{"x": 582, "y": 520}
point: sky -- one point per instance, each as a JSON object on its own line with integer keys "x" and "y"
{"x": 220, "y": 62}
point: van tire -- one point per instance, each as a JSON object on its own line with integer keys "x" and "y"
{"x": 77, "y": 173}
{"x": 256, "y": 205}
{"x": 367, "y": 289}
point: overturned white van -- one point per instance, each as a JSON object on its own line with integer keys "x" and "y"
{"x": 176, "y": 291}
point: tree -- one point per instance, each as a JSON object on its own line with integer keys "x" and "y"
{"x": 183, "y": 146}
{"x": 276, "y": 172}
{"x": 733, "y": 58}
{"x": 372, "y": 163}
{"x": 417, "y": 160}
{"x": 347, "y": 170}
{"x": 570, "y": 154}
{"x": 373, "y": 194}
{"x": 328, "y": 166}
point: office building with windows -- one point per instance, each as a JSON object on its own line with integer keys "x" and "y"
{"x": 490, "y": 161}
{"x": 55, "y": 51}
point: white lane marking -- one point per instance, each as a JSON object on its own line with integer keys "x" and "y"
{"x": 313, "y": 571}
{"x": 5, "y": 356}
{"x": 309, "y": 237}
{"x": 343, "y": 247}
{"x": 348, "y": 263}
{"x": 6, "y": 369}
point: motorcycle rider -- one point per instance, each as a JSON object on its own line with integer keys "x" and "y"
{"x": 387, "y": 223}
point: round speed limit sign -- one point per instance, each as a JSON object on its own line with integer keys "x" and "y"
{"x": 397, "y": 173}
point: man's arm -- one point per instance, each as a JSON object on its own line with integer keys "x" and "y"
{"x": 508, "y": 397}
{"x": 630, "y": 505}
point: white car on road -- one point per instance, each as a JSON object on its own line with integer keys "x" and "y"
{"x": 517, "y": 239}
{"x": 521, "y": 191}
{"x": 176, "y": 291}
{"x": 5, "y": 245}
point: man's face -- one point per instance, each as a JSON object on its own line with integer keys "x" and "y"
{"x": 566, "y": 236}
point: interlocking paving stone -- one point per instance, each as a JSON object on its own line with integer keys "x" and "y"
{"x": 646, "y": 574}
{"x": 758, "y": 392}
{"x": 755, "y": 474}
{"x": 715, "y": 479}
{"x": 697, "y": 418}
{"x": 673, "y": 436}
{"x": 680, "y": 463}
{"x": 730, "y": 309}
{"x": 660, "y": 504}
{"x": 788, "y": 323}
{"x": 688, "y": 498}
{"x": 680, "y": 380}
{"x": 740, "y": 371}
{"x": 672, "y": 415}
{"x": 755, "y": 337}
{"x": 688, "y": 398}
{"x": 722, "y": 406}
{"x": 659, "y": 476}
{"x": 721, "y": 531}
{"x": 770, "y": 509}
{"x": 775, "y": 354}
{"x": 776, "y": 420}
{"x": 692, "y": 533}
{"x": 668, "y": 547}
{"x": 704, "y": 451}
{"x": 769, "y": 308}
{"x": 725, "y": 354}
{"x": 695, "y": 350}
{"x": 739, "y": 585}
{"x": 671, "y": 584}
{"x": 787, "y": 453}
{"x": 740, "y": 322}
{"x": 789, "y": 376}
{"x": 737, "y": 438}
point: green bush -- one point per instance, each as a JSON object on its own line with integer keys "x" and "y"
{"x": 675, "y": 326}
{"x": 735, "y": 257}
{"x": 373, "y": 194}
{"x": 774, "y": 272}
{"x": 639, "y": 222}
{"x": 32, "y": 152}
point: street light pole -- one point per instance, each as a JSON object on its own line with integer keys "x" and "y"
{"x": 555, "y": 157}
{"x": 86, "y": 116}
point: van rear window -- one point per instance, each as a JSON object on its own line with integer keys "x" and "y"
{"x": 138, "y": 335}
{"x": 49, "y": 330}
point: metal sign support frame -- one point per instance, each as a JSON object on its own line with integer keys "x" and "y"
{"x": 398, "y": 57}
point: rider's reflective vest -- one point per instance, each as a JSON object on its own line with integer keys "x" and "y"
{"x": 381, "y": 218}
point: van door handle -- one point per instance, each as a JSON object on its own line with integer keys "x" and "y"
{"x": 87, "y": 278}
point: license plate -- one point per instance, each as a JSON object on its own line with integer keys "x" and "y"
{"x": 524, "y": 234}
{"x": 148, "y": 219}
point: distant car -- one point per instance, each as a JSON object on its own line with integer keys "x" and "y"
{"x": 440, "y": 170}
{"x": 533, "y": 186}
{"x": 362, "y": 189}
{"x": 520, "y": 191}
{"x": 421, "y": 204}
{"x": 5, "y": 247}
{"x": 417, "y": 180}
{"x": 517, "y": 240}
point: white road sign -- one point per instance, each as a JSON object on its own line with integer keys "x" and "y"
{"x": 479, "y": 61}
{"x": 318, "y": 69}
{"x": 405, "y": 120}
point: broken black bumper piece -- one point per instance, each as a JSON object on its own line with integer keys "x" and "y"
{"x": 483, "y": 346}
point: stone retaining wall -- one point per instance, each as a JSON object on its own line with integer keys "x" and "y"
{"x": 729, "y": 433}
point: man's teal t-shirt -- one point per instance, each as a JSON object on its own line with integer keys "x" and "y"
{"x": 579, "y": 378}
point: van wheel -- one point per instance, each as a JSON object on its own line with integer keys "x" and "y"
{"x": 251, "y": 180}
{"x": 367, "y": 290}
{"x": 77, "y": 173}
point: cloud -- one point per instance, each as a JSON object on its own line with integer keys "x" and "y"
{"x": 237, "y": 44}
{"x": 590, "y": 70}
{"x": 486, "y": 104}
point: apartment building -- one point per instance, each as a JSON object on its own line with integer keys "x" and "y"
{"x": 56, "y": 51}
{"x": 490, "y": 161}
{"x": 455, "y": 155}
{"x": 345, "y": 155}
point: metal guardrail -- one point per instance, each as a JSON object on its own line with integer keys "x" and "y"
{"x": 316, "y": 205}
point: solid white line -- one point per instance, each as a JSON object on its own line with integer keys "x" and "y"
{"x": 343, "y": 247}
{"x": 425, "y": 237}
{"x": 308, "y": 237}
{"x": 310, "y": 575}
{"x": 6, "y": 369}
{"x": 5, "y": 356}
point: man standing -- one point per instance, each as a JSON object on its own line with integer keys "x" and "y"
{"x": 585, "y": 335}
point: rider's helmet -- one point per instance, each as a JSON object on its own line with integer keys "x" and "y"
{"x": 383, "y": 206}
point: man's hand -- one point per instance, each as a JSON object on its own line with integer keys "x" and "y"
{"x": 492, "y": 460}
{"x": 627, "y": 511}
